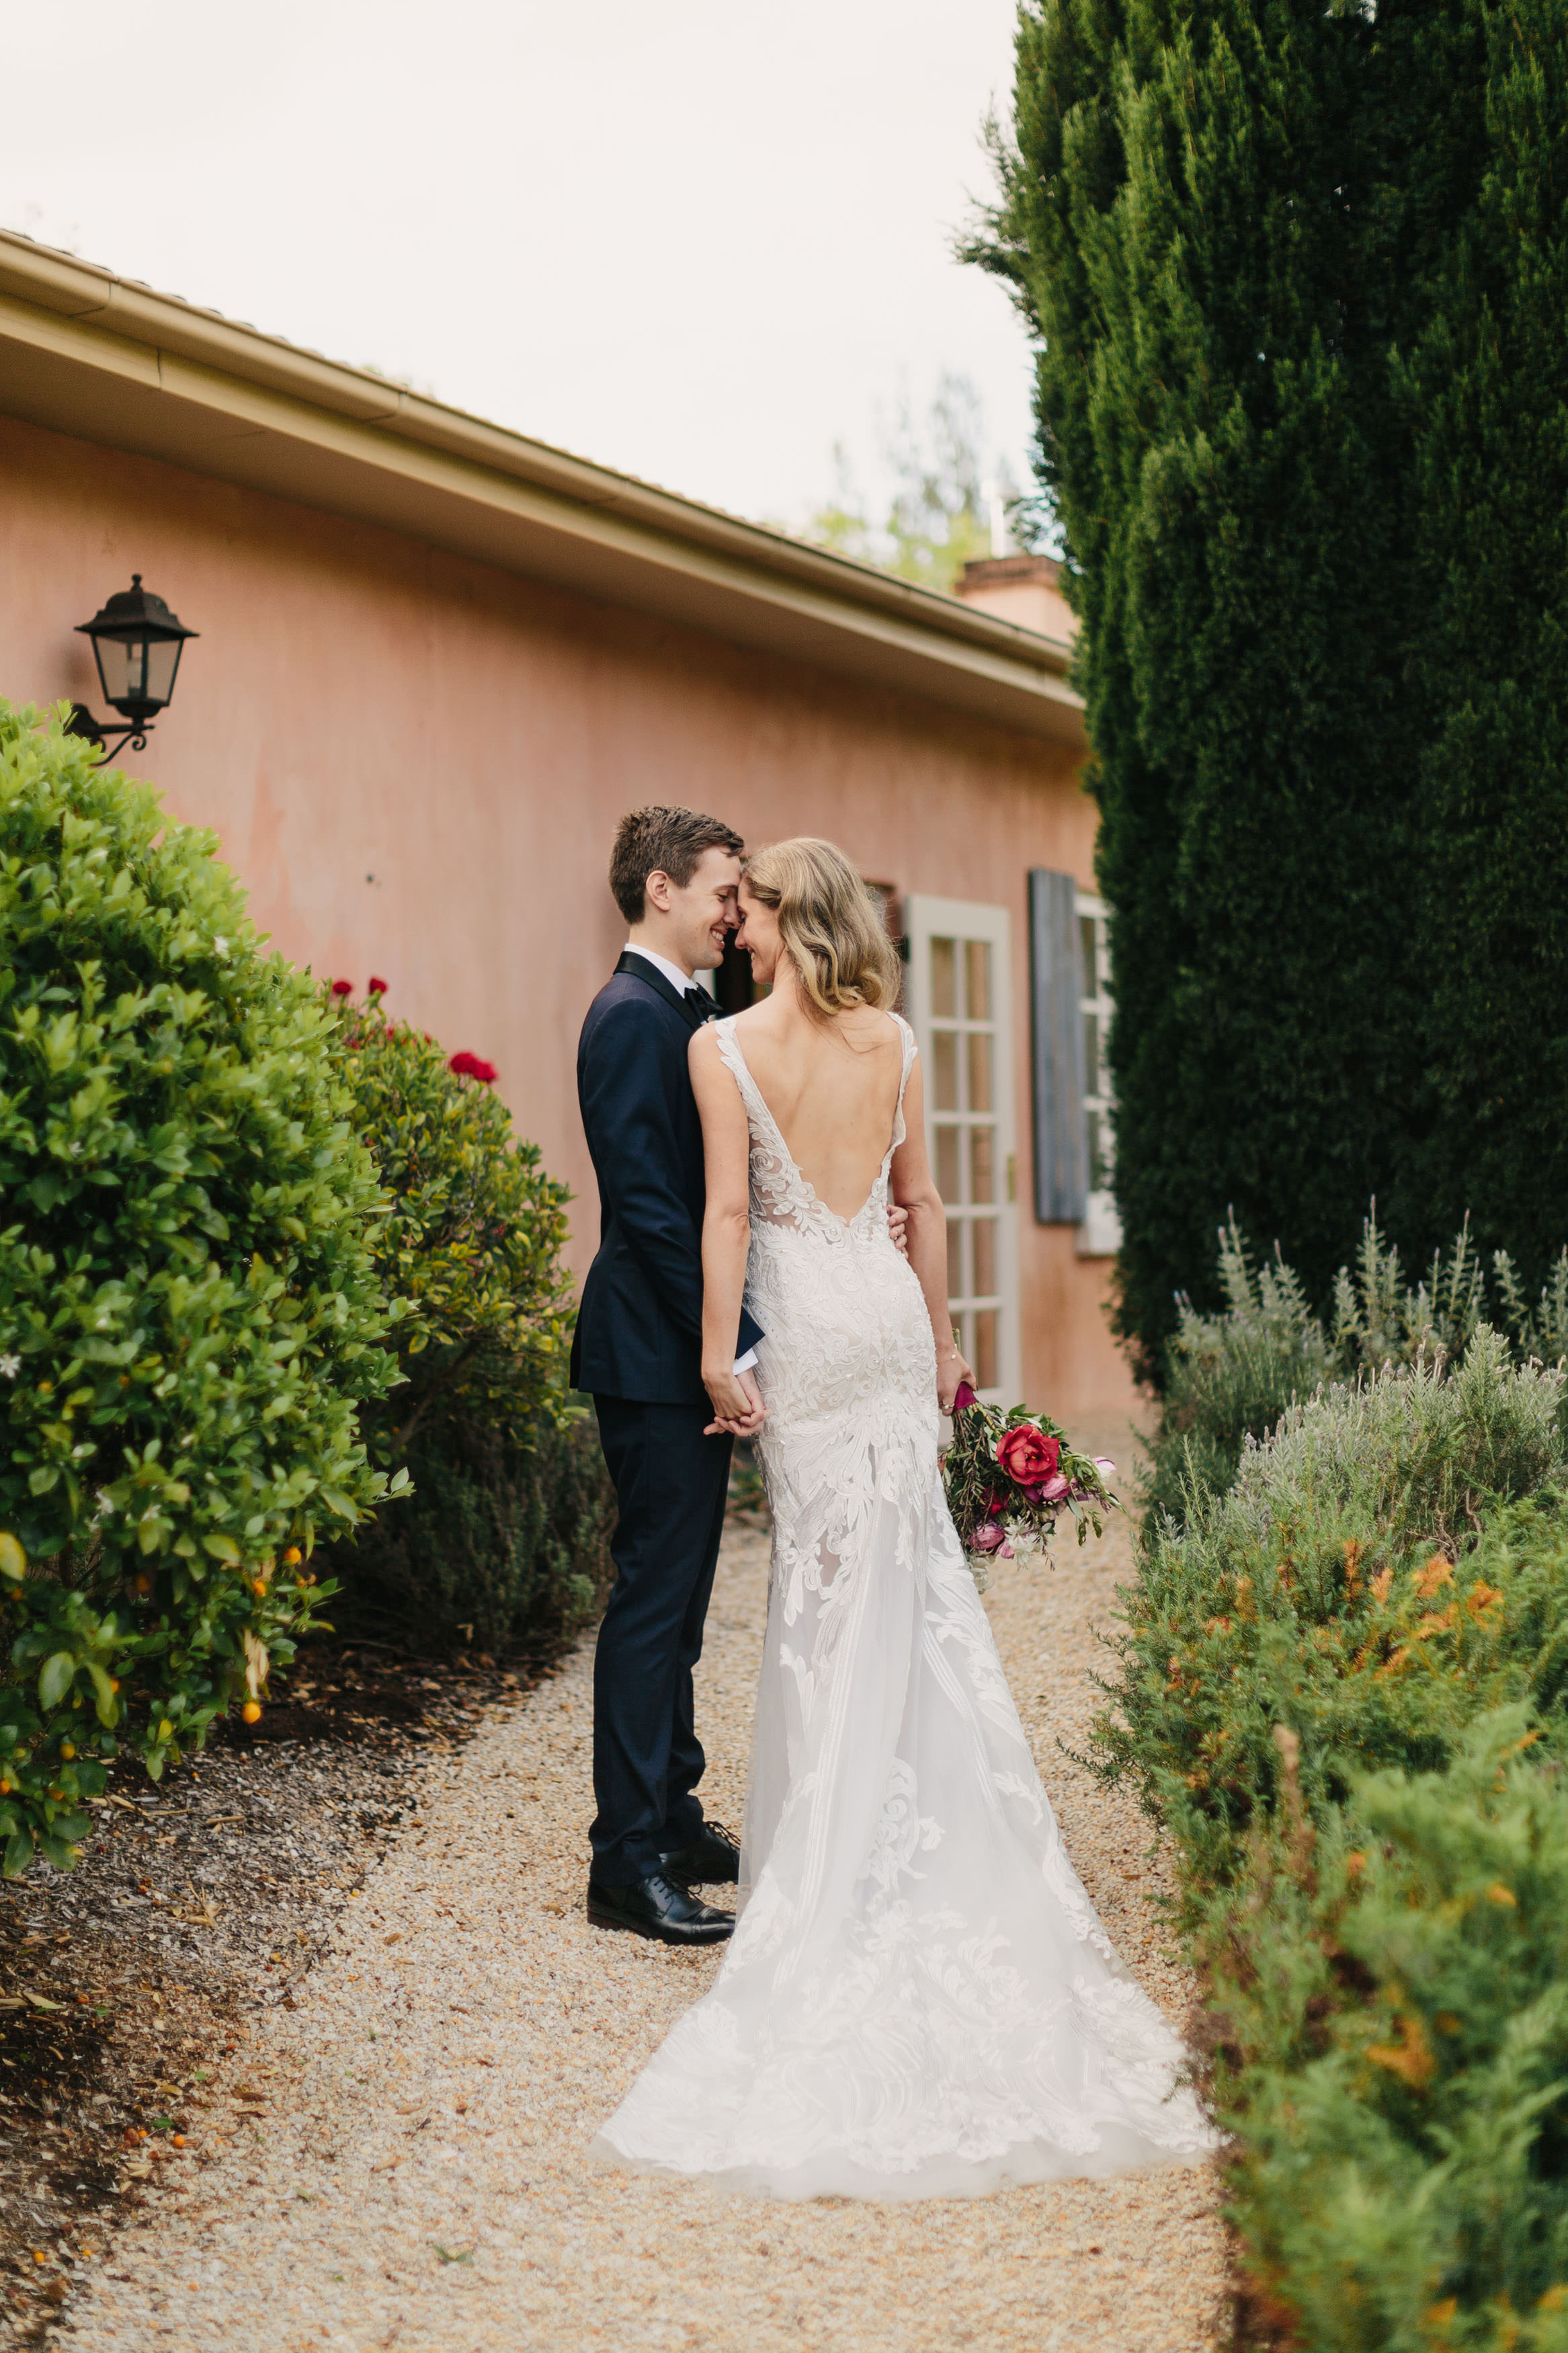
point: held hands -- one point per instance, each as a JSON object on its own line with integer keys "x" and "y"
{"x": 951, "y": 1372}
{"x": 738, "y": 1408}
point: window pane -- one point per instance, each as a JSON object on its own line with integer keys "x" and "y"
{"x": 977, "y": 980}
{"x": 979, "y": 1043}
{"x": 944, "y": 1070}
{"x": 947, "y": 1163}
{"x": 944, "y": 979}
{"x": 986, "y": 1359}
{"x": 1091, "y": 1085}
{"x": 981, "y": 1165}
{"x": 1089, "y": 946}
{"x": 955, "y": 1258}
{"x": 983, "y": 1250}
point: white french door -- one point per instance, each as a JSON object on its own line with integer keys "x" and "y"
{"x": 960, "y": 1004}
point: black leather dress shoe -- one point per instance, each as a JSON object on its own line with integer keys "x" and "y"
{"x": 712, "y": 1857}
{"x": 657, "y": 1906}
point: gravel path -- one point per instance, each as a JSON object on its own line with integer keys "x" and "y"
{"x": 399, "y": 2160}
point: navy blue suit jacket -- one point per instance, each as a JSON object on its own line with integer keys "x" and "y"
{"x": 640, "y": 1329}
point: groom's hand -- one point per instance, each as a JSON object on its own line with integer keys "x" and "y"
{"x": 897, "y": 1221}
{"x": 738, "y": 1408}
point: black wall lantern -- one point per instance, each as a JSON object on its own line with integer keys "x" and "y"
{"x": 136, "y": 641}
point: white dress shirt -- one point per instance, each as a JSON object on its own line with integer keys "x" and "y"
{"x": 681, "y": 982}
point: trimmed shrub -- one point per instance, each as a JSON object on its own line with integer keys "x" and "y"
{"x": 1231, "y": 1376}
{"x": 189, "y": 1313}
{"x": 1388, "y": 2021}
{"x": 1341, "y": 1587}
{"x": 503, "y": 1544}
{"x": 505, "y": 1541}
{"x": 1345, "y": 1696}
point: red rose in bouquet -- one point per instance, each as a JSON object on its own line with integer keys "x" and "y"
{"x": 1028, "y": 1455}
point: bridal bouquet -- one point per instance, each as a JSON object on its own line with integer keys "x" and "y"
{"x": 1008, "y": 1474}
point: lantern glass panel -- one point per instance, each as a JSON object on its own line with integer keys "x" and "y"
{"x": 138, "y": 673}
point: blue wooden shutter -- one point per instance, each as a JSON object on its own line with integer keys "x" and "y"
{"x": 1056, "y": 999}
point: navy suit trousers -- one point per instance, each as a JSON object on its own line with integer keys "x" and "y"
{"x": 670, "y": 1485}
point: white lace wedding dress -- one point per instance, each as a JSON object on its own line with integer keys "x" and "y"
{"x": 919, "y": 1999}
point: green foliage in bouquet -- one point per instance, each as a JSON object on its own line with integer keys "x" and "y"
{"x": 1008, "y": 1475}
{"x": 1230, "y": 1376}
{"x": 1345, "y": 1696}
{"x": 189, "y": 1313}
{"x": 505, "y": 1542}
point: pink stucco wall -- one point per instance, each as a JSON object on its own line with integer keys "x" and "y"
{"x": 416, "y": 763}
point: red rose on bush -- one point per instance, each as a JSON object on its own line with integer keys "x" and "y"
{"x": 342, "y": 988}
{"x": 469, "y": 1066}
{"x": 1028, "y": 1455}
{"x": 376, "y": 987}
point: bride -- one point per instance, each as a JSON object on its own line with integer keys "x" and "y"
{"x": 919, "y": 1999}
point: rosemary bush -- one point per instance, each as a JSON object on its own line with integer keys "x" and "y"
{"x": 1345, "y": 1696}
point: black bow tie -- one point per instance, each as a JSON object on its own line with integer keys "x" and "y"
{"x": 700, "y": 1005}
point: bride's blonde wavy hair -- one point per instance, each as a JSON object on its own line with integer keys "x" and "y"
{"x": 829, "y": 922}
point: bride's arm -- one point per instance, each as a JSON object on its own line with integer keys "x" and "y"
{"x": 914, "y": 1189}
{"x": 726, "y": 1234}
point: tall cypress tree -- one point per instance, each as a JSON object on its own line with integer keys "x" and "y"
{"x": 1486, "y": 388}
{"x": 1221, "y": 225}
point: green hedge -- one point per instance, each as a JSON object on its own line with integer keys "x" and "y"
{"x": 189, "y": 1314}
{"x": 504, "y": 1545}
{"x": 1345, "y": 1696}
{"x": 504, "y": 1542}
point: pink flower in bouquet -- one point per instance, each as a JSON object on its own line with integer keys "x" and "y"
{"x": 964, "y": 1397}
{"x": 1105, "y": 1466}
{"x": 988, "y": 1537}
{"x": 995, "y": 1505}
{"x": 1053, "y": 1488}
{"x": 1028, "y": 1455}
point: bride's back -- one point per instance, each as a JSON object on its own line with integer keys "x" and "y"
{"x": 832, "y": 1086}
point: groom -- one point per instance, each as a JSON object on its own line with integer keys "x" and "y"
{"x": 639, "y": 1349}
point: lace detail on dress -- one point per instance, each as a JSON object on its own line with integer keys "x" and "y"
{"x": 918, "y": 1999}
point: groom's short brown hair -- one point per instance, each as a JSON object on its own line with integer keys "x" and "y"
{"x": 661, "y": 840}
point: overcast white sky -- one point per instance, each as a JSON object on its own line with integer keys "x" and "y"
{"x": 699, "y": 241}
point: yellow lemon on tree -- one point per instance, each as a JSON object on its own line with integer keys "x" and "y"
{"x": 68, "y": 1750}
{"x": 292, "y": 1556}
{"x": 251, "y": 1711}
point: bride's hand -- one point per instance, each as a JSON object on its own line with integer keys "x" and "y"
{"x": 738, "y": 1408}
{"x": 951, "y": 1372}
{"x": 898, "y": 1225}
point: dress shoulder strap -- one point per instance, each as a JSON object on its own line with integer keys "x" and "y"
{"x": 908, "y": 1035}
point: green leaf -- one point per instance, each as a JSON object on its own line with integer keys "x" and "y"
{"x": 223, "y": 1548}
{"x": 74, "y": 1825}
{"x": 18, "y": 1854}
{"x": 55, "y": 1678}
{"x": 13, "y": 1559}
{"x": 107, "y": 1702}
{"x": 57, "y": 1850}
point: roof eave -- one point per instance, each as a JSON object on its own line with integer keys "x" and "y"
{"x": 109, "y": 361}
